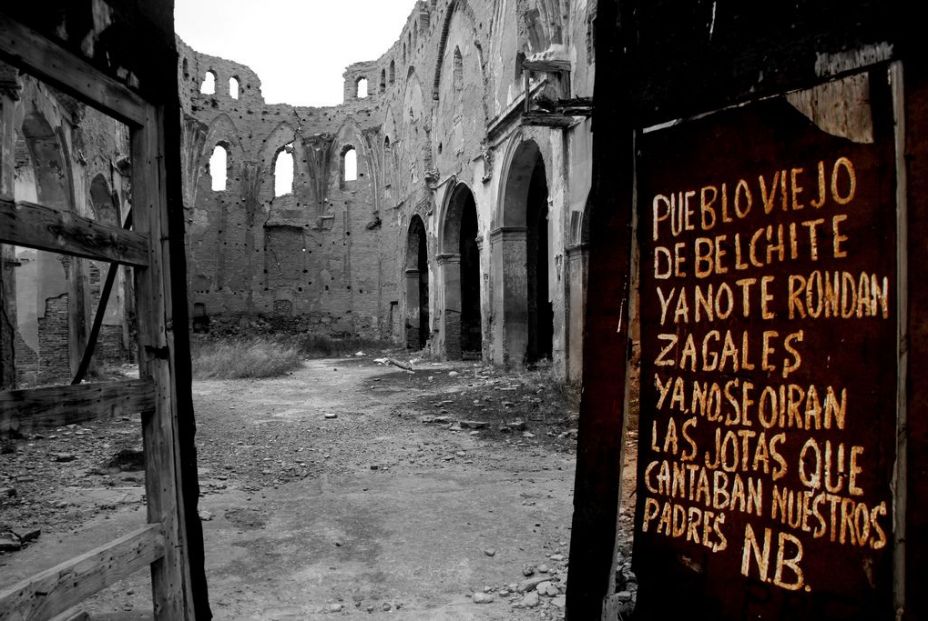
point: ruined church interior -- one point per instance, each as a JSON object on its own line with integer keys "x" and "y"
{"x": 427, "y": 352}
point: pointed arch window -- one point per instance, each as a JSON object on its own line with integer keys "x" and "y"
{"x": 218, "y": 168}
{"x": 350, "y": 164}
{"x": 208, "y": 86}
{"x": 283, "y": 171}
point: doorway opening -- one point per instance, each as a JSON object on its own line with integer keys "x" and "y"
{"x": 460, "y": 259}
{"x": 417, "y": 286}
{"x": 522, "y": 245}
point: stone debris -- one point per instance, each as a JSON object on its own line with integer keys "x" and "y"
{"x": 434, "y": 420}
{"x": 483, "y": 598}
{"x": 530, "y": 600}
{"x": 330, "y": 415}
{"x": 531, "y": 583}
{"x": 490, "y": 552}
{"x": 474, "y": 424}
{"x": 547, "y": 588}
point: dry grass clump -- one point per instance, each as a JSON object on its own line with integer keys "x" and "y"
{"x": 251, "y": 358}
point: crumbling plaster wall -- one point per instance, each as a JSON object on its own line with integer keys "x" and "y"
{"x": 62, "y": 154}
{"x": 444, "y": 107}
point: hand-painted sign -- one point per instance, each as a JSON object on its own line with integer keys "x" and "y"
{"x": 768, "y": 329}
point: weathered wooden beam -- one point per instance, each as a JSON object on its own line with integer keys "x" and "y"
{"x": 546, "y": 66}
{"x": 171, "y": 586}
{"x": 548, "y": 119}
{"x": 36, "y": 226}
{"x": 55, "y": 590}
{"x": 55, "y": 406}
{"x": 47, "y": 60}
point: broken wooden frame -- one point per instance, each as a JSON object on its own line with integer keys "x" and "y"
{"x": 163, "y": 544}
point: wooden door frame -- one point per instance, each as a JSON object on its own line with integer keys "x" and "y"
{"x": 164, "y": 543}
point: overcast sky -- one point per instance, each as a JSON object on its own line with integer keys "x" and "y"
{"x": 299, "y": 48}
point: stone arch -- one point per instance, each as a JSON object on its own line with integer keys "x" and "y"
{"x": 350, "y": 138}
{"x": 53, "y": 175}
{"x": 277, "y": 140}
{"x": 417, "y": 285}
{"x": 415, "y": 155}
{"x": 543, "y": 25}
{"x": 453, "y": 6}
{"x": 459, "y": 261}
{"x": 522, "y": 252}
{"x": 222, "y": 132}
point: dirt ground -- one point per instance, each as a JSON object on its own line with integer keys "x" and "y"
{"x": 347, "y": 489}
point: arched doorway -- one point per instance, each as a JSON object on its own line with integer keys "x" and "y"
{"x": 460, "y": 265}
{"x": 417, "y": 286}
{"x": 522, "y": 263}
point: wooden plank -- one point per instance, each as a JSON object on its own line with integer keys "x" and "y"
{"x": 548, "y": 119}
{"x": 32, "y": 52}
{"x": 57, "y": 589}
{"x": 55, "y": 406}
{"x": 36, "y": 226}
{"x": 171, "y": 589}
{"x": 901, "y": 478}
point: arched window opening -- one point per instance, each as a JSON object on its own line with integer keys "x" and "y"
{"x": 208, "y": 87}
{"x": 218, "y": 164}
{"x": 361, "y": 90}
{"x": 458, "y": 69}
{"x": 392, "y": 72}
{"x": 383, "y": 80}
{"x": 350, "y": 164}
{"x": 233, "y": 88}
{"x": 283, "y": 171}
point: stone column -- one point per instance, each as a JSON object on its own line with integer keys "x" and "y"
{"x": 509, "y": 272}
{"x": 577, "y": 263}
{"x": 449, "y": 266}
